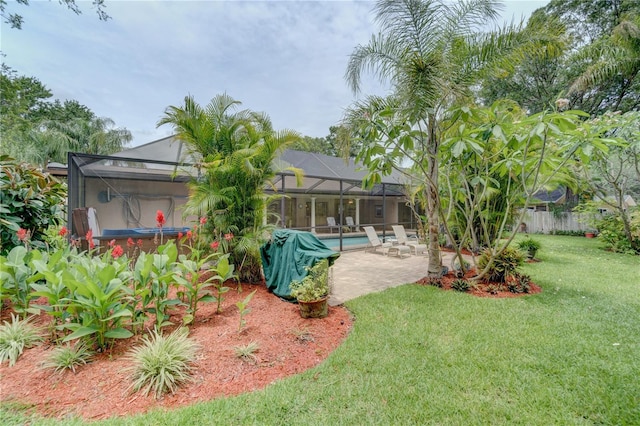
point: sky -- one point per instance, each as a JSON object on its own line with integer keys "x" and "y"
{"x": 284, "y": 58}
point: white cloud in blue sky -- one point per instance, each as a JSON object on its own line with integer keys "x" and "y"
{"x": 285, "y": 58}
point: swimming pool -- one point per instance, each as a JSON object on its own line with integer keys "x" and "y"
{"x": 334, "y": 243}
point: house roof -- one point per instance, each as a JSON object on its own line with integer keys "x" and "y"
{"x": 550, "y": 197}
{"x": 322, "y": 173}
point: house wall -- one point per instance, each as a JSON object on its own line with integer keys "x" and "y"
{"x": 134, "y": 203}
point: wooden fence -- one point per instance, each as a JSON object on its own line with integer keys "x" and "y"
{"x": 546, "y": 222}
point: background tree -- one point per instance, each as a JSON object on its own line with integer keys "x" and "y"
{"x": 15, "y": 20}
{"x": 36, "y": 130}
{"x": 614, "y": 174}
{"x": 538, "y": 80}
{"x": 598, "y": 69}
{"x": 237, "y": 150}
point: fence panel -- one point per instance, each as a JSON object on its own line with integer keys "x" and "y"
{"x": 545, "y": 222}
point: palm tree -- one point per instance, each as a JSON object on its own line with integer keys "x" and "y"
{"x": 616, "y": 68}
{"x": 431, "y": 52}
{"x": 236, "y": 150}
{"x": 99, "y": 136}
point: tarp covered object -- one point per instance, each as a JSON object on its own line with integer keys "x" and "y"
{"x": 288, "y": 254}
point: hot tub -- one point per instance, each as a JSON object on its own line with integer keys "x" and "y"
{"x": 142, "y": 232}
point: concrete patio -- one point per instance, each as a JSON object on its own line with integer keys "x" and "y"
{"x": 358, "y": 272}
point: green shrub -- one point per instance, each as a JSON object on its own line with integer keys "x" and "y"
{"x": 15, "y": 337}
{"x": 611, "y": 232}
{"x": 29, "y": 199}
{"x": 461, "y": 285}
{"x": 163, "y": 363}
{"x": 519, "y": 283}
{"x": 569, "y": 233}
{"x": 68, "y": 357}
{"x": 503, "y": 266}
{"x": 434, "y": 281}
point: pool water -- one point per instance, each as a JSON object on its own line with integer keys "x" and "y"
{"x": 346, "y": 241}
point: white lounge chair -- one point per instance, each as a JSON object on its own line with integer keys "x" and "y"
{"x": 374, "y": 241}
{"x": 414, "y": 245}
{"x": 387, "y": 247}
{"x": 350, "y": 223}
{"x": 331, "y": 223}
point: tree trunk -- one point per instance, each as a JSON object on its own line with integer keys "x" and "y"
{"x": 433, "y": 203}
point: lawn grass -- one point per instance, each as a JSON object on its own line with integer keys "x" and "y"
{"x": 420, "y": 355}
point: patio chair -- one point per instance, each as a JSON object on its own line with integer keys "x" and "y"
{"x": 350, "y": 223}
{"x": 387, "y": 248}
{"x": 331, "y": 223}
{"x": 414, "y": 245}
{"x": 374, "y": 241}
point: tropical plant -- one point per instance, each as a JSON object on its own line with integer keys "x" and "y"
{"x": 15, "y": 337}
{"x": 315, "y": 285}
{"x": 196, "y": 280}
{"x": 243, "y": 309}
{"x": 497, "y": 159}
{"x": 500, "y": 266}
{"x": 529, "y": 246}
{"x": 432, "y": 52}
{"x": 237, "y": 150}
{"x": 29, "y": 200}
{"x": 161, "y": 278}
{"x": 162, "y": 363}
{"x": 15, "y": 274}
{"x": 68, "y": 357}
{"x": 519, "y": 283}
{"x": 461, "y": 285}
{"x": 98, "y": 299}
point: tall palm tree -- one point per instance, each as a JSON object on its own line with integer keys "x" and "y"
{"x": 237, "y": 150}
{"x": 431, "y": 52}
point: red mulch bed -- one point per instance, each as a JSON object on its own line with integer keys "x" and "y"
{"x": 101, "y": 388}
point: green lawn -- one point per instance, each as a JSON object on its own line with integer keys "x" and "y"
{"x": 420, "y": 355}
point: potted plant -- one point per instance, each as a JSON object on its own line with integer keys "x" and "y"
{"x": 312, "y": 292}
{"x": 529, "y": 246}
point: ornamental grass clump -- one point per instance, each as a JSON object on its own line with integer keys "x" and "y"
{"x": 68, "y": 357}
{"x": 15, "y": 337}
{"x": 163, "y": 363}
{"x": 247, "y": 352}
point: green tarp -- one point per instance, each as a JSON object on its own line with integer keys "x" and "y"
{"x": 286, "y": 256}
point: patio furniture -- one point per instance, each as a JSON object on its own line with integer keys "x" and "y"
{"x": 375, "y": 242}
{"x": 414, "y": 245}
{"x": 331, "y": 223}
{"x": 350, "y": 223}
{"x": 387, "y": 247}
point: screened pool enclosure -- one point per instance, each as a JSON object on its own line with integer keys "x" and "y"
{"x": 118, "y": 195}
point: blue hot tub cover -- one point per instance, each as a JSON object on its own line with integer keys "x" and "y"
{"x": 286, "y": 257}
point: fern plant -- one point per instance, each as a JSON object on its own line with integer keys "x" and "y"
{"x": 163, "y": 363}
{"x": 15, "y": 337}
